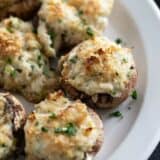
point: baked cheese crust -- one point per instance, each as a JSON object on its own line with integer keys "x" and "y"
{"x": 61, "y": 129}
{"x": 99, "y": 66}
{"x": 69, "y": 23}
{"x": 23, "y": 66}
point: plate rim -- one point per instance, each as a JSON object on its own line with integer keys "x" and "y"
{"x": 133, "y": 146}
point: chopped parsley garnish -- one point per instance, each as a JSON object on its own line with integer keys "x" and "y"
{"x": 44, "y": 129}
{"x": 3, "y": 145}
{"x": 119, "y": 41}
{"x": 89, "y": 31}
{"x": 46, "y": 71}
{"x": 52, "y": 36}
{"x": 74, "y": 59}
{"x": 129, "y": 74}
{"x": 10, "y": 29}
{"x": 13, "y": 74}
{"x": 134, "y": 95}
{"x": 84, "y": 22}
{"x": 37, "y": 123}
{"x": 32, "y": 67}
{"x": 34, "y": 30}
{"x": 113, "y": 92}
{"x": 80, "y": 12}
{"x": 116, "y": 114}
{"x": 39, "y": 59}
{"x": 60, "y": 20}
{"x": 9, "y": 61}
{"x": 70, "y": 129}
{"x": 20, "y": 58}
{"x": 124, "y": 60}
{"x": 52, "y": 116}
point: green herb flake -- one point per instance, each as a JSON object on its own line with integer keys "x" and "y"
{"x": 35, "y": 30}
{"x": 80, "y": 12}
{"x": 90, "y": 32}
{"x": 20, "y": 58}
{"x": 44, "y": 129}
{"x": 113, "y": 93}
{"x": 9, "y": 61}
{"x": 116, "y": 114}
{"x": 32, "y": 67}
{"x": 39, "y": 60}
{"x": 52, "y": 116}
{"x": 124, "y": 60}
{"x": 74, "y": 59}
{"x": 10, "y": 29}
{"x": 13, "y": 73}
{"x": 37, "y": 123}
{"x": 60, "y": 21}
{"x": 46, "y": 71}
{"x": 134, "y": 95}
{"x": 129, "y": 74}
{"x": 3, "y": 145}
{"x": 39, "y": 57}
{"x": 84, "y": 22}
{"x": 119, "y": 41}
{"x": 52, "y": 35}
{"x": 70, "y": 129}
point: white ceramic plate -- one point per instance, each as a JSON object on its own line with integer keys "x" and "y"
{"x": 135, "y": 137}
{"x": 137, "y": 23}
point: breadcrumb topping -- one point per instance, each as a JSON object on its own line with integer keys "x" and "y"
{"x": 9, "y": 44}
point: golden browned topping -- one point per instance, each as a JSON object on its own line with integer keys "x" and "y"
{"x": 23, "y": 67}
{"x": 98, "y": 66}
{"x": 89, "y": 7}
{"x": 61, "y": 129}
{"x": 55, "y": 10}
{"x": 9, "y": 44}
{"x": 67, "y": 23}
{"x": 56, "y": 96}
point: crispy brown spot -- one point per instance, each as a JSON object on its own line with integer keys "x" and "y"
{"x": 91, "y": 61}
{"x": 101, "y": 51}
{"x": 87, "y": 131}
{"x": 55, "y": 96}
{"x": 32, "y": 117}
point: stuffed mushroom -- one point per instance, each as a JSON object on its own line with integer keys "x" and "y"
{"x": 62, "y": 129}
{"x": 21, "y": 8}
{"x": 61, "y": 22}
{"x": 12, "y": 121}
{"x": 99, "y": 72}
{"x": 23, "y": 67}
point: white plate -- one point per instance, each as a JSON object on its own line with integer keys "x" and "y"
{"x": 134, "y": 137}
